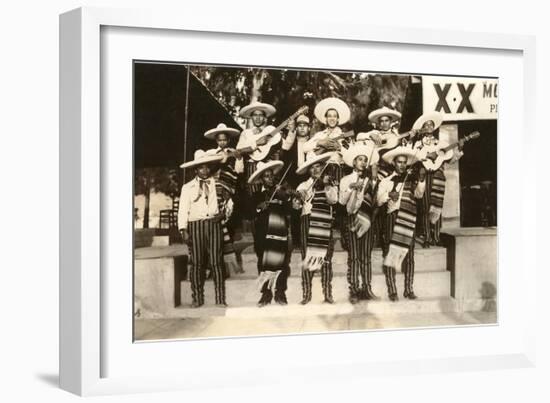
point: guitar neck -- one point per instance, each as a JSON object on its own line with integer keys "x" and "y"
{"x": 284, "y": 123}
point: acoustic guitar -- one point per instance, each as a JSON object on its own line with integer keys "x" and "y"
{"x": 320, "y": 149}
{"x": 273, "y": 136}
{"x": 432, "y": 160}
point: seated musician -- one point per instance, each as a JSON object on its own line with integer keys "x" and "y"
{"x": 199, "y": 221}
{"x": 358, "y": 195}
{"x": 315, "y": 199}
{"x": 397, "y": 194}
{"x": 226, "y": 188}
{"x": 431, "y": 204}
{"x": 272, "y": 206}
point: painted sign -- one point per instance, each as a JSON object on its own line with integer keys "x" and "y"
{"x": 460, "y": 98}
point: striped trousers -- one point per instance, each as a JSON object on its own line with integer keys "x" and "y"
{"x": 206, "y": 247}
{"x": 430, "y": 231}
{"x": 359, "y": 259}
{"x": 326, "y": 269}
{"x": 407, "y": 266}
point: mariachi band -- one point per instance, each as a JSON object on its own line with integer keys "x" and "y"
{"x": 379, "y": 187}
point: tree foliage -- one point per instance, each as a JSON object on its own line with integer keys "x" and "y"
{"x": 288, "y": 89}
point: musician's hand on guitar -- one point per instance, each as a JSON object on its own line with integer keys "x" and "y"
{"x": 262, "y": 141}
{"x": 376, "y": 138}
{"x": 394, "y": 196}
{"x": 327, "y": 180}
{"x": 262, "y": 206}
{"x": 356, "y": 185}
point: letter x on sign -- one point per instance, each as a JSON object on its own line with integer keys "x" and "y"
{"x": 465, "y": 93}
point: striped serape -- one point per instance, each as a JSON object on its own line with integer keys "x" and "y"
{"x": 318, "y": 233}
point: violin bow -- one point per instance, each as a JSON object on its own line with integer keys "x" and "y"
{"x": 280, "y": 182}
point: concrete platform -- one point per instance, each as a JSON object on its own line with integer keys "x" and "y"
{"x": 228, "y": 326}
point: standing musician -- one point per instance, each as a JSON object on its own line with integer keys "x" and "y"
{"x": 199, "y": 222}
{"x": 296, "y": 155}
{"x": 226, "y": 188}
{"x": 332, "y": 112}
{"x": 272, "y": 205}
{"x": 398, "y": 193}
{"x": 258, "y": 113}
{"x": 383, "y": 119}
{"x": 358, "y": 196}
{"x": 431, "y": 204}
{"x": 316, "y": 198}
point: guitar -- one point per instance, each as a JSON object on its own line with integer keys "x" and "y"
{"x": 273, "y": 136}
{"x": 432, "y": 160}
{"x": 394, "y": 141}
{"x": 321, "y": 149}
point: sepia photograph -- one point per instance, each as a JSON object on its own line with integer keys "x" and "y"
{"x": 273, "y": 201}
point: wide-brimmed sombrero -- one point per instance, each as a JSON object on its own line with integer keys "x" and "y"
{"x": 384, "y": 111}
{"x": 302, "y": 169}
{"x": 275, "y": 166}
{"x": 435, "y": 117}
{"x": 202, "y": 157}
{"x": 221, "y": 128}
{"x": 246, "y": 111}
{"x": 354, "y": 151}
{"x": 338, "y": 105}
{"x": 389, "y": 156}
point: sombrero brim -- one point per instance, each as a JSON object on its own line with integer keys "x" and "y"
{"x": 211, "y": 134}
{"x": 246, "y": 111}
{"x": 209, "y": 159}
{"x": 390, "y": 155}
{"x": 351, "y": 153}
{"x": 436, "y": 117}
{"x": 276, "y": 166}
{"x": 340, "y": 106}
{"x": 318, "y": 158}
{"x": 376, "y": 114}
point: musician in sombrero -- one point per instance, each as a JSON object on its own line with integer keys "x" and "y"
{"x": 384, "y": 120}
{"x": 397, "y": 196}
{"x": 332, "y": 112}
{"x": 226, "y": 187}
{"x": 358, "y": 196}
{"x": 316, "y": 198}
{"x": 200, "y": 224}
{"x": 258, "y": 113}
{"x": 431, "y": 204}
{"x": 272, "y": 207}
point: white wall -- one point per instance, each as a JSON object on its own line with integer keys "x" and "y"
{"x": 29, "y": 123}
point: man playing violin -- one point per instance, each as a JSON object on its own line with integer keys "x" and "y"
{"x": 315, "y": 198}
{"x": 272, "y": 206}
{"x": 358, "y": 196}
{"x": 397, "y": 195}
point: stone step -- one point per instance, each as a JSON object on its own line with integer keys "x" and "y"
{"x": 244, "y": 292}
{"x": 426, "y": 260}
{"x": 316, "y": 308}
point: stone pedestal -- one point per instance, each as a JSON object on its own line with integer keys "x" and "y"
{"x": 472, "y": 260}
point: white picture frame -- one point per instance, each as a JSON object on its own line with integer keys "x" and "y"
{"x": 83, "y": 177}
